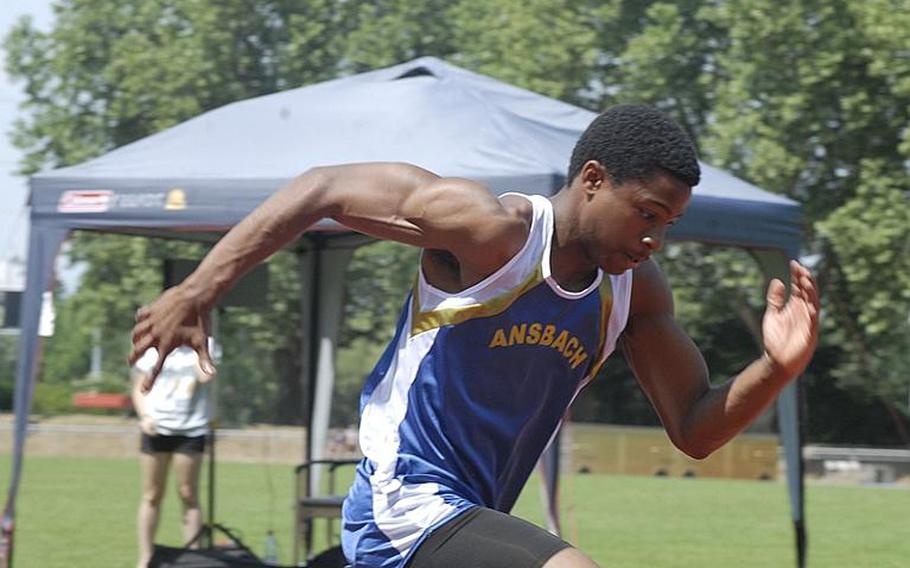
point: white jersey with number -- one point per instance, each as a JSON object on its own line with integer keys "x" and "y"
{"x": 178, "y": 402}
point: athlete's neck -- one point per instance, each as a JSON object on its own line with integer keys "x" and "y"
{"x": 569, "y": 264}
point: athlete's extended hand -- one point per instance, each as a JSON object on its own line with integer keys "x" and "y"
{"x": 790, "y": 326}
{"x": 170, "y": 321}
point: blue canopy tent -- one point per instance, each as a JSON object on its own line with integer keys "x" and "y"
{"x": 199, "y": 178}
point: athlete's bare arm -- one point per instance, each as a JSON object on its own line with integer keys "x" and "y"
{"x": 391, "y": 201}
{"x": 698, "y": 417}
{"x": 146, "y": 422}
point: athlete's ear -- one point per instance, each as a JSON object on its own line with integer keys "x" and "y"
{"x": 593, "y": 177}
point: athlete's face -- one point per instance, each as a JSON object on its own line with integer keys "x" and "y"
{"x": 622, "y": 224}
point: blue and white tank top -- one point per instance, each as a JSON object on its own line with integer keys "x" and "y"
{"x": 470, "y": 391}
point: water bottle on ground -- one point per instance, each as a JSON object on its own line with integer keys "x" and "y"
{"x": 270, "y": 556}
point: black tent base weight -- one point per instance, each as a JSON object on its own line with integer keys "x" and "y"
{"x": 232, "y": 554}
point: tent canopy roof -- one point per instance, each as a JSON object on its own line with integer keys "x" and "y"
{"x": 426, "y": 112}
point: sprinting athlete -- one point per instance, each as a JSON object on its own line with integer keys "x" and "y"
{"x": 518, "y": 302}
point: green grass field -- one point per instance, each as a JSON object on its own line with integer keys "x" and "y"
{"x": 81, "y": 513}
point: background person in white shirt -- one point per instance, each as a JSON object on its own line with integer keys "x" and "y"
{"x": 174, "y": 420}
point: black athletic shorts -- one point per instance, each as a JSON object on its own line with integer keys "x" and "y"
{"x": 484, "y": 538}
{"x": 172, "y": 444}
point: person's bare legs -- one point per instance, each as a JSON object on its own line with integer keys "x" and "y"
{"x": 154, "y": 475}
{"x": 570, "y": 558}
{"x": 186, "y": 472}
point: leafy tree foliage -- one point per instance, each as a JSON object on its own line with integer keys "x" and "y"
{"x": 523, "y": 51}
{"x": 814, "y": 104}
{"x": 9, "y": 349}
{"x": 391, "y": 31}
{"x": 868, "y": 261}
{"x": 807, "y": 99}
{"x": 110, "y": 73}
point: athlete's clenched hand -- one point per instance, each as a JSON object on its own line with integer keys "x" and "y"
{"x": 172, "y": 320}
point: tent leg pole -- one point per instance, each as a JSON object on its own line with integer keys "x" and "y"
{"x": 211, "y": 492}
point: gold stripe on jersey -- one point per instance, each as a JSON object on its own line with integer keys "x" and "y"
{"x": 606, "y": 308}
{"x": 432, "y": 319}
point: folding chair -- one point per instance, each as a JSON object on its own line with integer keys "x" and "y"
{"x": 310, "y": 507}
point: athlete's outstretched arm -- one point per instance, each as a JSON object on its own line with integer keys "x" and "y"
{"x": 698, "y": 417}
{"x": 390, "y": 201}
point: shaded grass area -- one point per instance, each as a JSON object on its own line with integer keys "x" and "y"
{"x": 81, "y": 512}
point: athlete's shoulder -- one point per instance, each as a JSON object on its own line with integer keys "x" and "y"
{"x": 519, "y": 207}
{"x": 650, "y": 290}
{"x": 498, "y": 229}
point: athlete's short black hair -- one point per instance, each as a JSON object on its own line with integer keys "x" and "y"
{"x": 636, "y": 141}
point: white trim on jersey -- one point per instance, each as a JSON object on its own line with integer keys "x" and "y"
{"x": 506, "y": 278}
{"x": 398, "y": 508}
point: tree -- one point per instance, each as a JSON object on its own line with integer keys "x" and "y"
{"x": 545, "y": 46}
{"x": 386, "y": 32}
{"x": 809, "y": 99}
{"x": 9, "y": 349}
{"x": 666, "y": 54}
{"x": 672, "y": 63}
{"x": 868, "y": 263}
{"x": 796, "y": 98}
{"x": 814, "y": 105}
{"x": 110, "y": 73}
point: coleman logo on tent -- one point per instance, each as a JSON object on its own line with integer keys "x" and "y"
{"x": 85, "y": 201}
{"x": 148, "y": 200}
